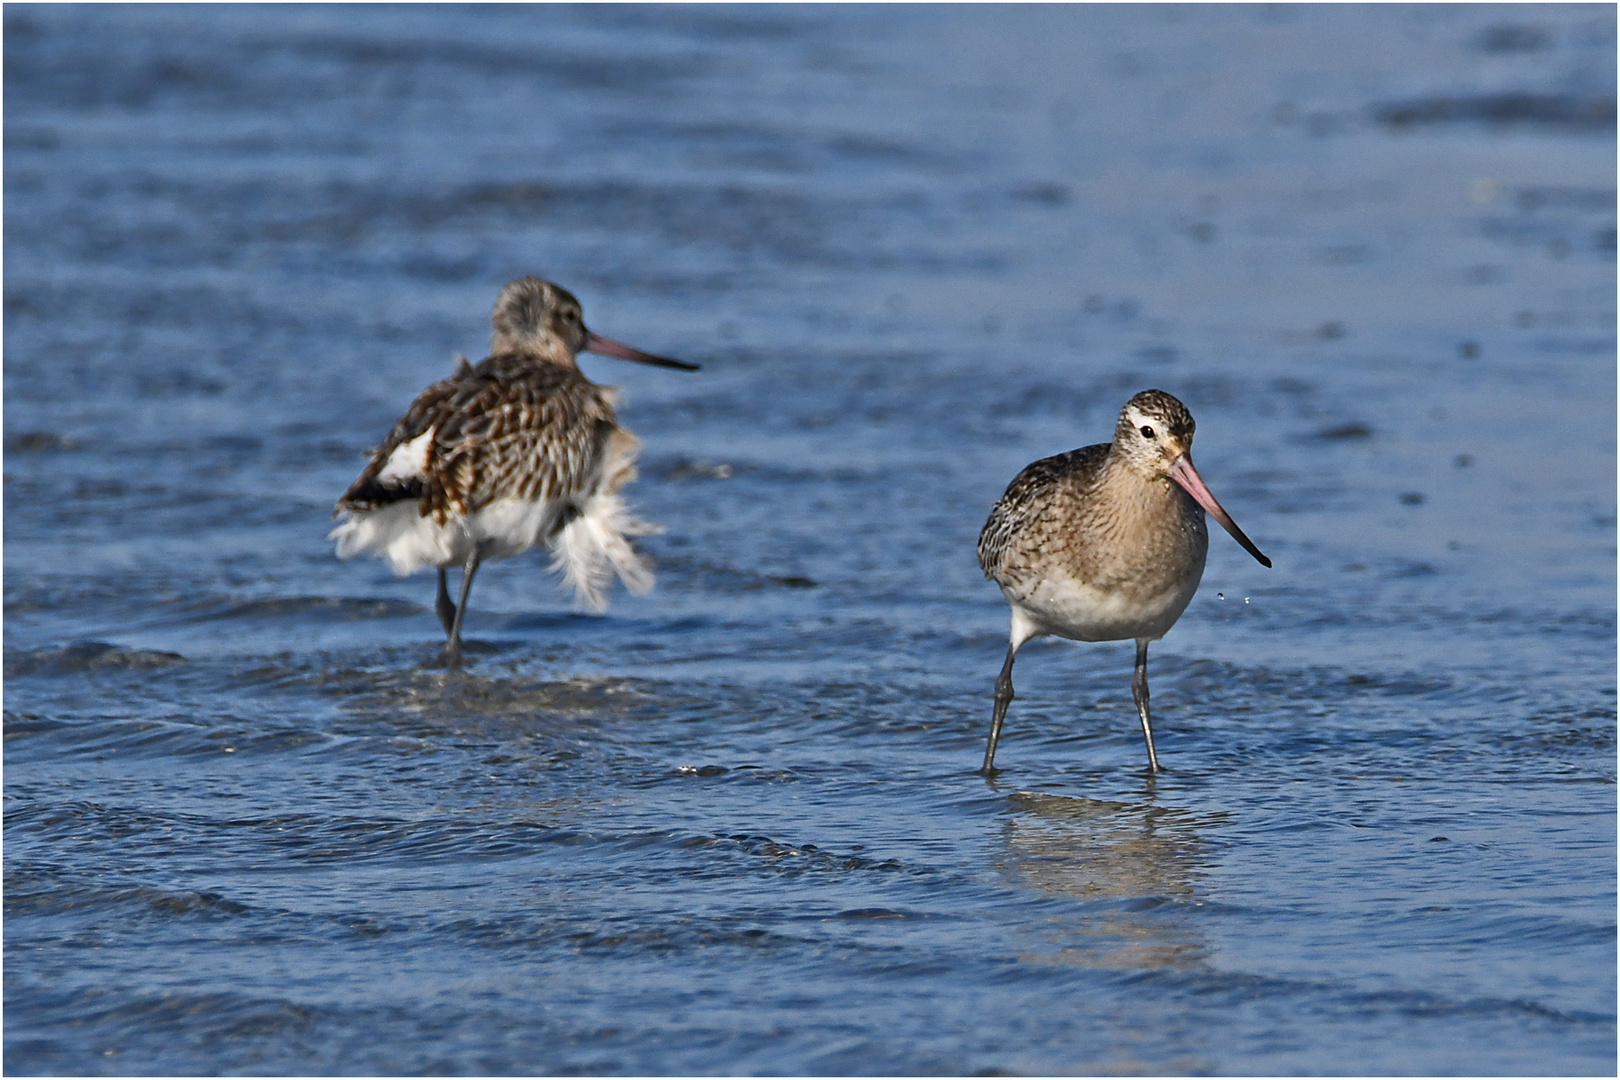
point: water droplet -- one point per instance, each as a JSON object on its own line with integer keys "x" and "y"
{"x": 1220, "y": 596}
{"x": 1245, "y": 599}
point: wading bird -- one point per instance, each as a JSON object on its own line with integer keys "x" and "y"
{"x": 515, "y": 450}
{"x": 1104, "y": 543}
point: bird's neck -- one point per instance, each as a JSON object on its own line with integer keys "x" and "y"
{"x": 546, "y": 348}
{"x": 1135, "y": 491}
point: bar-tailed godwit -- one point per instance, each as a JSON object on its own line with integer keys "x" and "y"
{"x": 517, "y": 449}
{"x": 1104, "y": 543}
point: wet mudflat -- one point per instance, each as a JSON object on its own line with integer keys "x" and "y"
{"x": 734, "y": 826}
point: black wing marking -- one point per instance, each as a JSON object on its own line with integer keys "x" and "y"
{"x": 369, "y": 492}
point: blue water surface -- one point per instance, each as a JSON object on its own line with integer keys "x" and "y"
{"x": 735, "y": 826}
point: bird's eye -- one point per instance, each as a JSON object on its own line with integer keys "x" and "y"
{"x": 1147, "y": 432}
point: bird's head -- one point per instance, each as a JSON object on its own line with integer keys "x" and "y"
{"x": 545, "y": 320}
{"x": 1154, "y": 439}
{"x": 1154, "y": 430}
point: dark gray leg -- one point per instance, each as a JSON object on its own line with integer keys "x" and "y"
{"x": 446, "y": 606}
{"x": 1004, "y": 696}
{"x": 1139, "y": 689}
{"x": 452, "y": 648}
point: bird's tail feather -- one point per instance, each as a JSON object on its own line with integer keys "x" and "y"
{"x": 592, "y": 547}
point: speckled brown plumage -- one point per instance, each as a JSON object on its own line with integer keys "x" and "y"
{"x": 1073, "y": 515}
{"x": 511, "y": 426}
{"x": 1104, "y": 543}
{"x": 517, "y": 450}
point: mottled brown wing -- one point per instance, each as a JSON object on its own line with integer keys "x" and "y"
{"x": 524, "y": 430}
{"x": 508, "y": 427}
{"x": 1016, "y": 516}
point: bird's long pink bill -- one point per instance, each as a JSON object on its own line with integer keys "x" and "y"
{"x": 1187, "y": 476}
{"x": 596, "y": 343}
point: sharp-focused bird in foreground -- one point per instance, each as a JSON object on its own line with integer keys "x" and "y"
{"x": 1104, "y": 543}
{"x": 515, "y": 450}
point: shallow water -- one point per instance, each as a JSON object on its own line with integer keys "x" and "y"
{"x": 735, "y": 826}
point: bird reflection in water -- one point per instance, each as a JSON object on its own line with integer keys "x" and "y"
{"x": 1136, "y": 866}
